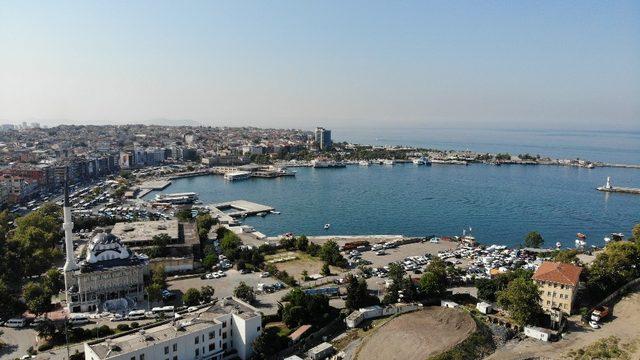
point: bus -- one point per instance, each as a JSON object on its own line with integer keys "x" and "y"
{"x": 166, "y": 311}
{"x": 136, "y": 315}
{"x": 78, "y": 319}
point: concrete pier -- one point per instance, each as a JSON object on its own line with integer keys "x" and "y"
{"x": 239, "y": 208}
{"x": 617, "y": 189}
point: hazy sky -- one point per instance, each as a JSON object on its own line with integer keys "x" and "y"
{"x": 514, "y": 64}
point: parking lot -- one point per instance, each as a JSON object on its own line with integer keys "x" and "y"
{"x": 404, "y": 251}
{"x": 224, "y": 286}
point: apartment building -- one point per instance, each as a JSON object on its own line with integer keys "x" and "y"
{"x": 558, "y": 285}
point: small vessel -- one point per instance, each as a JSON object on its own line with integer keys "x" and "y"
{"x": 364, "y": 163}
{"x": 262, "y": 214}
{"x": 327, "y": 226}
{"x": 581, "y": 240}
{"x": 558, "y": 245}
{"x": 275, "y": 212}
{"x": 388, "y": 162}
{"x": 421, "y": 161}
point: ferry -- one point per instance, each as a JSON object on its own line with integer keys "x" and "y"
{"x": 421, "y": 161}
{"x": 317, "y": 163}
{"x": 177, "y": 198}
{"x": 237, "y": 175}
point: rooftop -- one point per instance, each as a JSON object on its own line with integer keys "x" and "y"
{"x": 145, "y": 230}
{"x": 557, "y": 272}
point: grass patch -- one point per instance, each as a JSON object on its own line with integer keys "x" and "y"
{"x": 605, "y": 348}
{"x": 476, "y": 346}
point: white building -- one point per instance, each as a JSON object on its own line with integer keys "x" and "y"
{"x": 225, "y": 330}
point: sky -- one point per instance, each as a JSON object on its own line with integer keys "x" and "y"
{"x": 361, "y": 64}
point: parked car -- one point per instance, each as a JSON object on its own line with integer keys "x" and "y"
{"x": 264, "y": 275}
{"x": 594, "y": 324}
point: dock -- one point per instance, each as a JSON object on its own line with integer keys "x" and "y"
{"x": 228, "y": 211}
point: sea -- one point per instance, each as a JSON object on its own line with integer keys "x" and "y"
{"x": 496, "y": 204}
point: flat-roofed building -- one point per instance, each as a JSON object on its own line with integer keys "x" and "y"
{"x": 225, "y": 330}
{"x": 558, "y": 285}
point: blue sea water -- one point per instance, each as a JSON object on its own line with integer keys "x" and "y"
{"x": 500, "y": 203}
{"x": 606, "y": 146}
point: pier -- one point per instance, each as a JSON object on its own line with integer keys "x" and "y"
{"x": 228, "y": 211}
{"x": 617, "y": 189}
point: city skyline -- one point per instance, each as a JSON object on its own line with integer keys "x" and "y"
{"x": 285, "y": 64}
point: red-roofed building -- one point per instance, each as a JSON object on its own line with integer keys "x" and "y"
{"x": 558, "y": 284}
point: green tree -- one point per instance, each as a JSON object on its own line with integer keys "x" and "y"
{"x": 154, "y": 293}
{"x": 304, "y": 275}
{"x": 326, "y": 271}
{"x": 330, "y": 253}
{"x": 46, "y": 329}
{"x": 8, "y": 300}
{"x": 158, "y": 276}
{"x": 210, "y": 261}
{"x": 521, "y": 299}
{"x": 38, "y": 301}
{"x": 230, "y": 245}
{"x": 487, "y": 289}
{"x": 533, "y": 240}
{"x": 192, "y": 297}
{"x": 269, "y": 343}
{"x": 431, "y": 285}
{"x": 357, "y": 294}
{"x": 569, "y": 256}
{"x": 244, "y": 292}
{"x": 207, "y": 293}
{"x": 302, "y": 243}
{"x": 53, "y": 281}
{"x": 184, "y": 215}
{"x": 612, "y": 268}
{"x": 636, "y": 233}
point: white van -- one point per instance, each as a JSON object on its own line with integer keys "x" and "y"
{"x": 16, "y": 323}
{"x": 78, "y": 319}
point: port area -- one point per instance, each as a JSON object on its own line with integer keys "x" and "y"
{"x": 152, "y": 185}
{"x": 226, "y": 212}
{"x": 617, "y": 189}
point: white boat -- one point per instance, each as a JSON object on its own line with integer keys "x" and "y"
{"x": 421, "y": 161}
{"x": 176, "y": 198}
{"x": 581, "y": 240}
{"x": 364, "y": 163}
{"x": 275, "y": 212}
{"x": 327, "y": 226}
{"x": 388, "y": 162}
{"x": 558, "y": 245}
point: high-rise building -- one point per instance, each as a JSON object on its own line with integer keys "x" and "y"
{"x": 323, "y": 138}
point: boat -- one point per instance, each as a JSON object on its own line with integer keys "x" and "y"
{"x": 558, "y": 245}
{"x": 388, "y": 162}
{"x": 177, "y": 198}
{"x": 581, "y": 240}
{"x": 275, "y": 212}
{"x": 327, "y": 226}
{"x": 421, "y": 161}
{"x": 364, "y": 163}
{"x": 262, "y": 214}
{"x": 318, "y": 163}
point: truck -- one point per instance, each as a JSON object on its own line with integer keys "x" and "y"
{"x": 599, "y": 313}
{"x": 354, "y": 245}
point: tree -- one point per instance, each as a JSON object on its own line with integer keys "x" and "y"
{"x": 53, "y": 281}
{"x": 521, "y": 299}
{"x": 158, "y": 276}
{"x": 8, "y": 300}
{"x": 46, "y": 329}
{"x": 357, "y": 294}
{"x": 326, "y": 271}
{"x": 533, "y": 240}
{"x": 207, "y": 293}
{"x": 612, "y": 268}
{"x": 330, "y": 253}
{"x": 636, "y": 233}
{"x": 204, "y": 223}
{"x": 303, "y": 309}
{"x": 244, "y": 292}
{"x": 184, "y": 215}
{"x": 38, "y": 301}
{"x": 302, "y": 243}
{"x": 487, "y": 289}
{"x": 304, "y": 275}
{"x": 269, "y": 343}
{"x": 569, "y": 256}
{"x": 154, "y": 293}
{"x": 210, "y": 261}
{"x": 230, "y": 245}
{"x": 191, "y": 297}
{"x": 431, "y": 285}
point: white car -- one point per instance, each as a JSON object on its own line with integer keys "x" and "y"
{"x": 594, "y": 324}
{"x": 192, "y": 309}
{"x": 264, "y": 275}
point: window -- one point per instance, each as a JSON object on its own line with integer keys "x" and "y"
{"x": 224, "y": 346}
{"x": 197, "y": 352}
{"x": 258, "y": 329}
{"x": 141, "y": 356}
{"x": 212, "y": 346}
{"x": 175, "y": 347}
{"x": 166, "y": 349}
{"x": 224, "y": 335}
{"x": 133, "y": 358}
{"x": 197, "y": 340}
{"x": 212, "y": 335}
{"x": 224, "y": 324}
{"x": 175, "y": 357}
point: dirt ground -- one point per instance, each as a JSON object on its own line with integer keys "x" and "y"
{"x": 623, "y": 323}
{"x": 304, "y": 262}
{"x": 418, "y": 335}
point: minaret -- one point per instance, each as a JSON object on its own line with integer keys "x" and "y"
{"x": 70, "y": 263}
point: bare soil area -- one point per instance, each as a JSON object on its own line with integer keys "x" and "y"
{"x": 418, "y": 335}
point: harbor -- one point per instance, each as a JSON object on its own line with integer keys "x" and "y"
{"x": 227, "y": 212}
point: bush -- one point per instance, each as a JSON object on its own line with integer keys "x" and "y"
{"x": 123, "y": 327}
{"x": 44, "y": 347}
{"x": 134, "y": 324}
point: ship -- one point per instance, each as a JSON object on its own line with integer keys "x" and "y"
{"x": 177, "y": 198}
{"x": 421, "y": 161}
{"x": 237, "y": 175}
